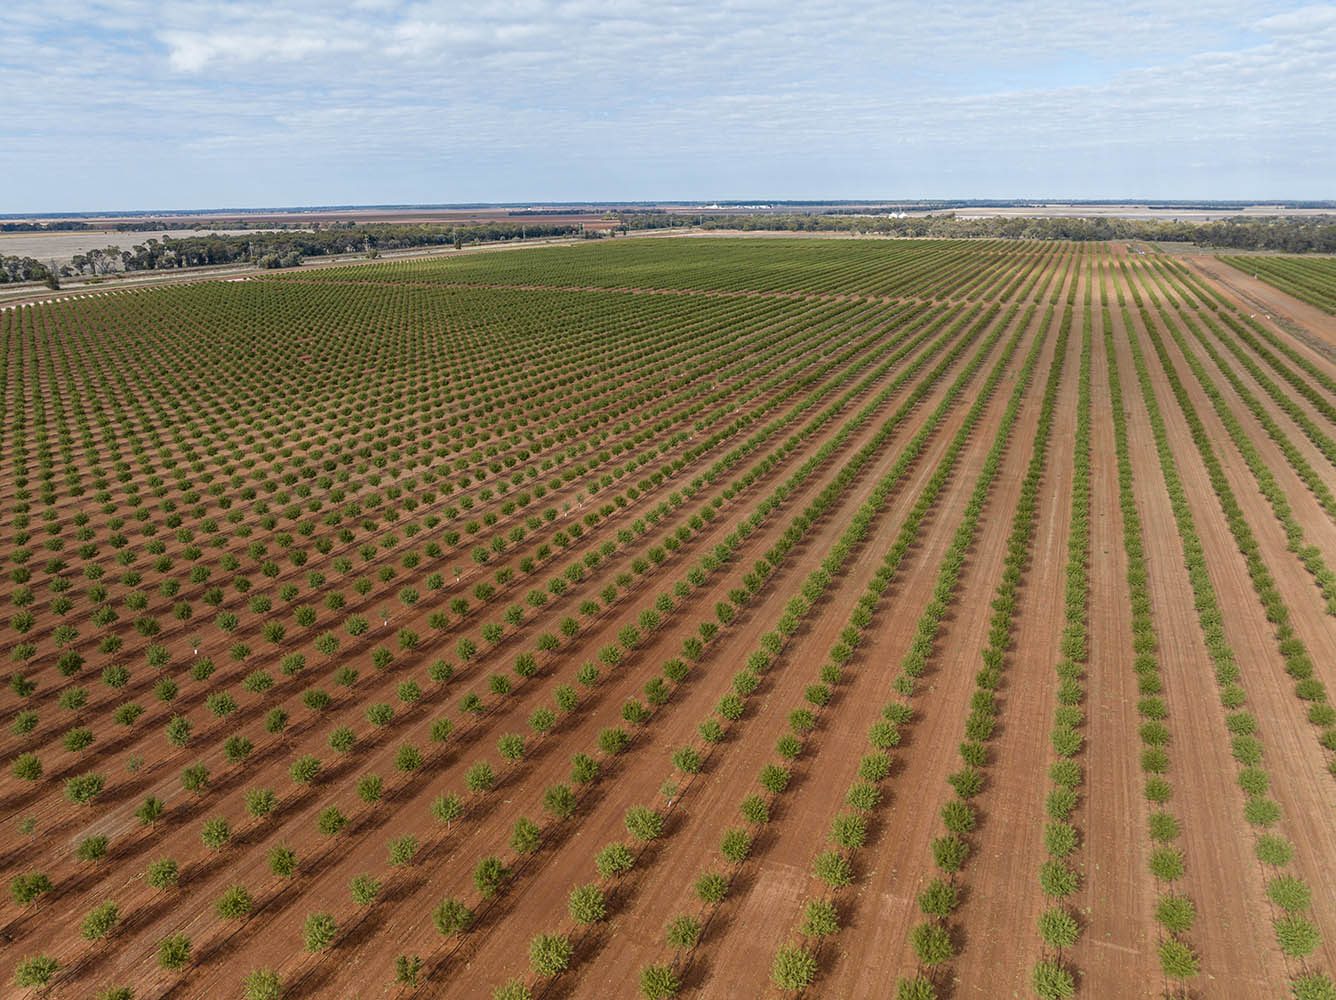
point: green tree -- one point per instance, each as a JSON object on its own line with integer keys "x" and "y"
{"x": 643, "y": 823}
{"x": 407, "y": 969}
{"x": 613, "y": 861}
{"x": 658, "y": 982}
{"x": 174, "y": 952}
{"x": 931, "y": 944}
{"x": 91, "y": 849}
{"x": 24, "y": 889}
{"x": 1177, "y": 960}
{"x": 586, "y": 904}
{"x": 833, "y": 869}
{"x": 525, "y": 837}
{"x": 511, "y": 989}
{"x": 550, "y": 954}
{"x": 820, "y": 919}
{"x": 364, "y": 889}
{"x": 403, "y": 850}
{"x": 447, "y": 808}
{"x": 794, "y": 968}
{"x": 215, "y": 833}
{"x": 488, "y": 876}
{"x": 282, "y": 861}
{"x": 1297, "y": 937}
{"x": 162, "y": 874}
{"x": 35, "y": 970}
{"x": 683, "y": 931}
{"x": 319, "y": 931}
{"x": 1052, "y": 981}
{"x": 84, "y": 788}
{"x": 1058, "y": 928}
{"x": 235, "y": 903}
{"x": 263, "y": 984}
{"x": 452, "y": 917}
{"x": 101, "y": 921}
{"x": 330, "y": 821}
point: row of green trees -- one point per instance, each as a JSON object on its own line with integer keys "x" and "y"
{"x": 1296, "y": 936}
{"x": 1059, "y": 927}
{"x": 1175, "y": 911}
{"x": 795, "y": 965}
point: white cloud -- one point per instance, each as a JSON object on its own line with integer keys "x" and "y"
{"x": 534, "y": 99}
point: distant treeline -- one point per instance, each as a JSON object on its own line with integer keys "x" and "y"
{"x": 277, "y": 249}
{"x": 1290, "y": 235}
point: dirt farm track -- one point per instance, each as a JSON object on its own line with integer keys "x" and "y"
{"x": 688, "y": 617}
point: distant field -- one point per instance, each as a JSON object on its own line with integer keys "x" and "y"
{"x": 61, "y": 246}
{"x": 913, "y": 619}
{"x": 925, "y": 268}
{"x": 1310, "y": 279}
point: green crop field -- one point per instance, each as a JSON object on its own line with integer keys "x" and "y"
{"x": 669, "y": 617}
{"x": 1307, "y": 278}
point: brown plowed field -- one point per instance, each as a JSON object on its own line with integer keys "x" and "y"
{"x": 655, "y": 535}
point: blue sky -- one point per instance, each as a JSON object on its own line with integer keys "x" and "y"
{"x": 142, "y": 104}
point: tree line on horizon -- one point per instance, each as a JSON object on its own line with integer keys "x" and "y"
{"x": 1284, "y": 234}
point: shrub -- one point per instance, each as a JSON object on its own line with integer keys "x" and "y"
{"x": 1058, "y": 928}
{"x": 330, "y": 821}
{"x": 613, "y": 861}
{"x": 452, "y": 917}
{"x": 1051, "y": 981}
{"x": 586, "y": 904}
{"x": 1166, "y": 863}
{"x": 23, "y": 889}
{"x": 403, "y": 849}
{"x": 305, "y": 769}
{"x": 100, "y": 922}
{"x": 282, "y": 861}
{"x": 525, "y": 836}
{"x": 683, "y": 931}
{"x": 1175, "y": 913}
{"x": 1289, "y": 893}
{"x": 658, "y": 982}
{"x": 364, "y": 889}
{"x": 833, "y": 869}
{"x": 938, "y": 899}
{"x": 215, "y": 833}
{"x": 260, "y": 801}
{"x": 550, "y": 954}
{"x": 559, "y": 801}
{"x": 513, "y": 989}
{"x": 35, "y": 970}
{"x": 234, "y": 903}
{"x": 174, "y": 952}
{"x": 263, "y": 984}
{"x": 488, "y": 876}
{"x": 319, "y": 931}
{"x": 1297, "y": 937}
{"x": 711, "y": 888}
{"x": 820, "y": 919}
{"x": 736, "y": 845}
{"x": 91, "y": 848}
{"x": 643, "y": 823}
{"x": 162, "y": 874}
{"x": 793, "y": 968}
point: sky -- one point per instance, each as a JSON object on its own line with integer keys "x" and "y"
{"x": 169, "y": 104}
